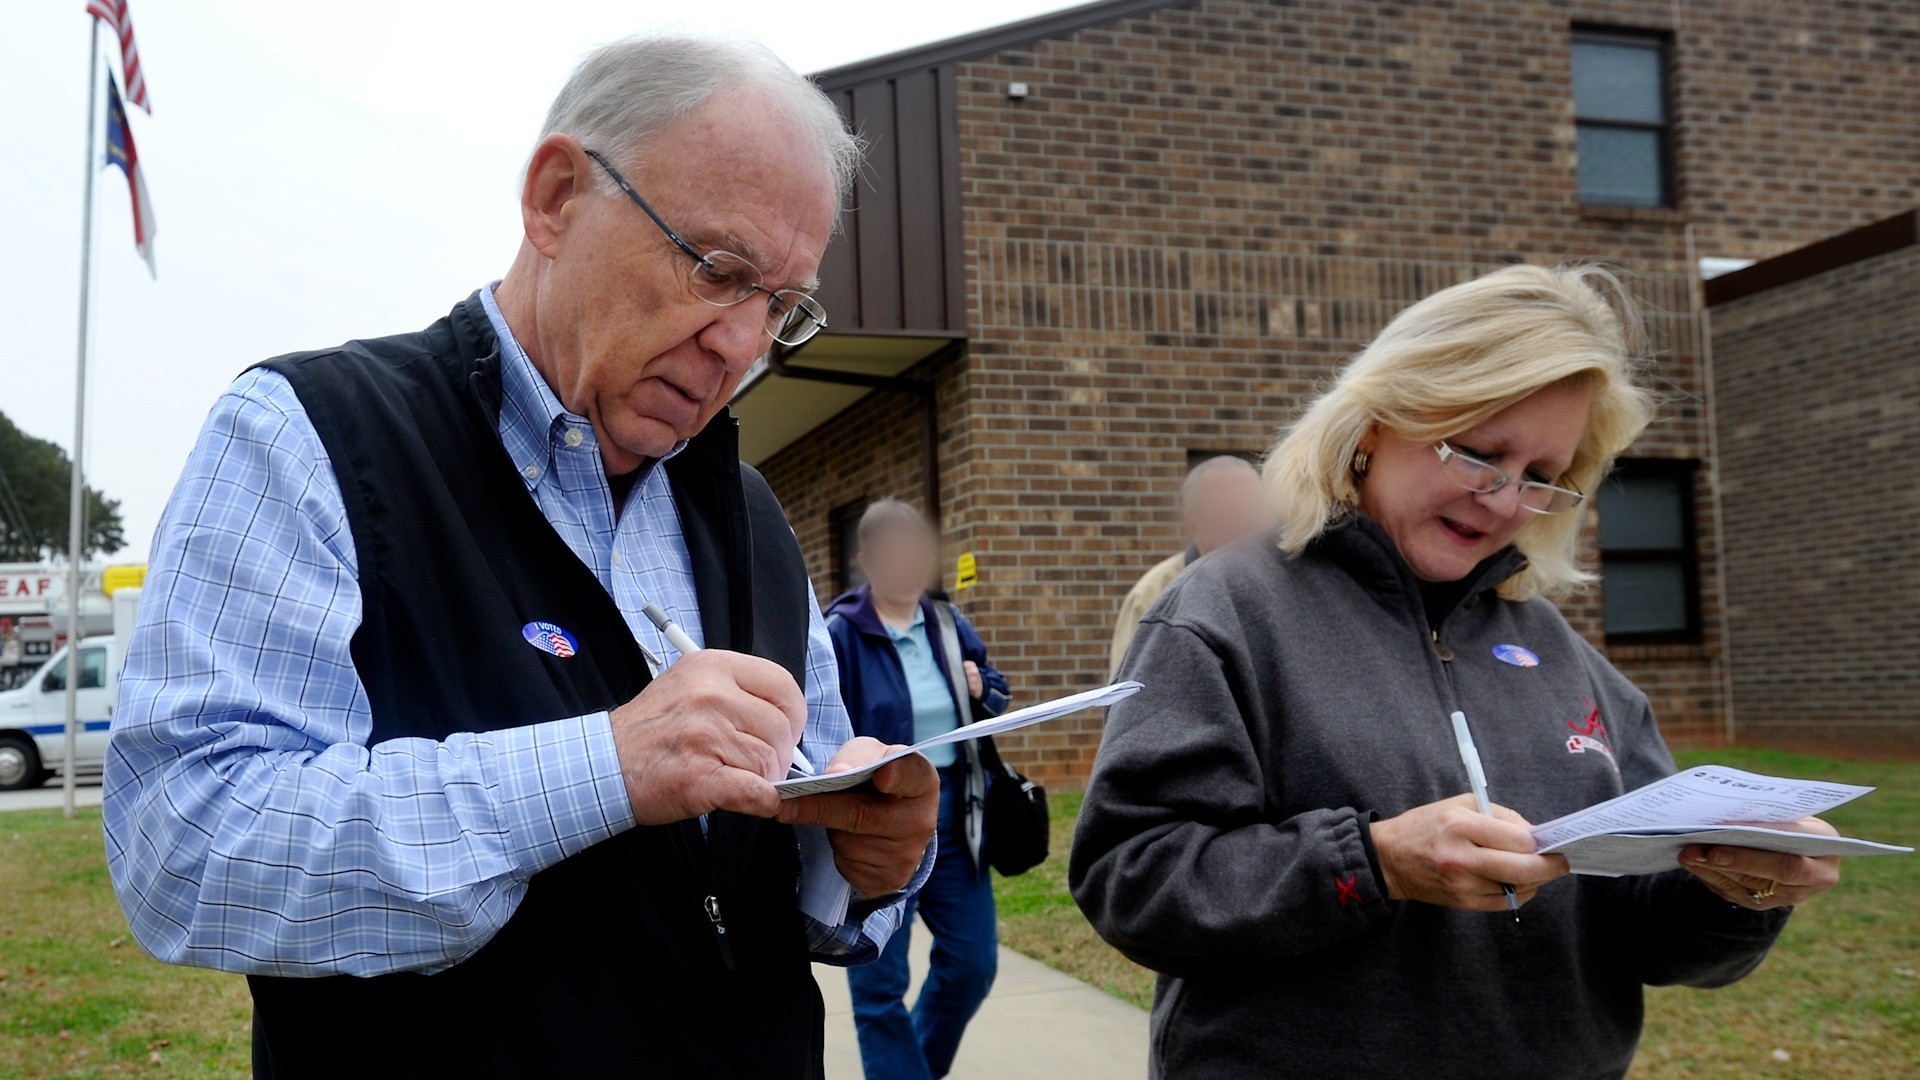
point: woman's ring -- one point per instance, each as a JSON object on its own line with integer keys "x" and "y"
{"x": 1762, "y": 896}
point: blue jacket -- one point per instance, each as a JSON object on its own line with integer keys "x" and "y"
{"x": 872, "y": 680}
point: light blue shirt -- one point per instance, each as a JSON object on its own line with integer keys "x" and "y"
{"x": 249, "y": 826}
{"x": 933, "y": 710}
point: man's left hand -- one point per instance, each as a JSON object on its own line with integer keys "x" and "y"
{"x": 880, "y": 833}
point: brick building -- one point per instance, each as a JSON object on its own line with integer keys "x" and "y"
{"x": 1096, "y": 245}
{"x": 1817, "y": 379}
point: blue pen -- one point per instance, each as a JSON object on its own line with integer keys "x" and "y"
{"x": 1477, "y": 777}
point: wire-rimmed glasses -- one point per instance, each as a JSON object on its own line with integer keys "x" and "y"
{"x": 724, "y": 279}
{"x": 1484, "y": 478}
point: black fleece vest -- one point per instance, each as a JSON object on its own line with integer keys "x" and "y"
{"x": 611, "y": 966}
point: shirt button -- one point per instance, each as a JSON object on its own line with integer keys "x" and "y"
{"x": 574, "y": 438}
{"x": 616, "y": 558}
{"x": 531, "y": 471}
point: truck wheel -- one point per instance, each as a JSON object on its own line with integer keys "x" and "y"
{"x": 19, "y": 764}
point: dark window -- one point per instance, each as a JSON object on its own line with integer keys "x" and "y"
{"x": 845, "y": 522}
{"x": 1620, "y": 118}
{"x": 93, "y": 669}
{"x": 1649, "y": 566}
{"x": 93, "y": 672}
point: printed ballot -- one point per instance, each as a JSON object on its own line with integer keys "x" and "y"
{"x": 824, "y": 894}
{"x": 1013, "y": 721}
{"x": 1643, "y": 831}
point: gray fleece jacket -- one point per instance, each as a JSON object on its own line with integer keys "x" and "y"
{"x": 1224, "y": 841}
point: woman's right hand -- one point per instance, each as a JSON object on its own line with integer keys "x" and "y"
{"x": 1449, "y": 853}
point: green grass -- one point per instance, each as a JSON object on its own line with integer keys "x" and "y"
{"x": 77, "y": 997}
{"x": 1840, "y": 994}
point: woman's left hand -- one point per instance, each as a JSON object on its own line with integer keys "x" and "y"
{"x": 1760, "y": 880}
{"x": 976, "y": 688}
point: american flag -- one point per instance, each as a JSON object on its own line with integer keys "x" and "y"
{"x": 120, "y": 152}
{"x": 114, "y": 14}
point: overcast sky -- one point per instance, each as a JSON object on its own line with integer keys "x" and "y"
{"x": 318, "y": 172}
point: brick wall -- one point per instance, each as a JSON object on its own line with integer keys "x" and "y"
{"x": 869, "y": 451}
{"x": 1795, "y": 120}
{"x": 1819, "y": 400}
{"x": 1196, "y": 214}
{"x": 1190, "y": 222}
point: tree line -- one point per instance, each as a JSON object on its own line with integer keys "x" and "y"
{"x": 34, "y": 497}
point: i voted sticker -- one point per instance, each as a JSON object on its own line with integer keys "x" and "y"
{"x": 549, "y": 638}
{"x": 1515, "y": 655}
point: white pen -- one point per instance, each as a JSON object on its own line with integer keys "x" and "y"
{"x": 1477, "y": 777}
{"x": 678, "y": 638}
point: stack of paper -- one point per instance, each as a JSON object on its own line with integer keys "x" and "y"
{"x": 1019, "y": 718}
{"x": 1643, "y": 831}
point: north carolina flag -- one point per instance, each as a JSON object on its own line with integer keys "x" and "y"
{"x": 120, "y": 152}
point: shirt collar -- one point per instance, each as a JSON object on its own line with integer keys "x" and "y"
{"x": 919, "y": 620}
{"x": 534, "y": 425}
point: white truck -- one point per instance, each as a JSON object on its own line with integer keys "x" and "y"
{"x": 33, "y": 718}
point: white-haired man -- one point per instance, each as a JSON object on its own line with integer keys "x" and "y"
{"x": 1221, "y": 500}
{"x": 395, "y": 739}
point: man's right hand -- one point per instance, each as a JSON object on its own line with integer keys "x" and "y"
{"x": 711, "y": 733}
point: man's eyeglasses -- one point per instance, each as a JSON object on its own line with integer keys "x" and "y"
{"x": 1483, "y": 478}
{"x": 724, "y": 279}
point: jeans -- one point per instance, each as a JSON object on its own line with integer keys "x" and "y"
{"x": 956, "y": 904}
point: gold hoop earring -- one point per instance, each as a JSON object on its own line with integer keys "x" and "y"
{"x": 1361, "y": 459}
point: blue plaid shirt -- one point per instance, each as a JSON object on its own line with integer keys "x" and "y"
{"x": 251, "y": 828}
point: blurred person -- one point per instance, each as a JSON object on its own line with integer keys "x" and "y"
{"x": 1221, "y": 501}
{"x": 394, "y": 738}
{"x": 1278, "y": 823}
{"x": 903, "y": 680}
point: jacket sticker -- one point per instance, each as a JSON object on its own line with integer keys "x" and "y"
{"x": 1515, "y": 655}
{"x": 1590, "y": 733}
{"x": 549, "y": 638}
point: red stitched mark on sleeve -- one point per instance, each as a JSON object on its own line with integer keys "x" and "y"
{"x": 1349, "y": 889}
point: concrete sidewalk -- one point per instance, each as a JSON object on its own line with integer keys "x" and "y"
{"x": 50, "y": 797}
{"x": 1036, "y": 1025}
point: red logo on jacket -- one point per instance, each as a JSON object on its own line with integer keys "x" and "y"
{"x": 1349, "y": 887}
{"x": 1590, "y": 733}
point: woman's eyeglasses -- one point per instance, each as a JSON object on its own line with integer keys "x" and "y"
{"x": 1484, "y": 478}
{"x": 724, "y": 279}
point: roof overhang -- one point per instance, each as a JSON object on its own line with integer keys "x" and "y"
{"x": 792, "y": 392}
{"x": 1855, "y": 245}
{"x": 1014, "y": 35}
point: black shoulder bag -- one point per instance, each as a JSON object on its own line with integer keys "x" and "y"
{"x": 1017, "y": 830}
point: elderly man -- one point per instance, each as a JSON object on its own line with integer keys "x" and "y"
{"x": 395, "y": 739}
{"x": 1221, "y": 500}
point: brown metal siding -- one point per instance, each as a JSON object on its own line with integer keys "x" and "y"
{"x": 896, "y": 262}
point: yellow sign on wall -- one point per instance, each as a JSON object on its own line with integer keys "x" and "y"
{"x": 124, "y": 576}
{"x": 966, "y": 572}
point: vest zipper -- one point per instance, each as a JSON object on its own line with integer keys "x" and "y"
{"x": 743, "y": 542}
{"x": 693, "y": 849}
{"x": 712, "y": 905}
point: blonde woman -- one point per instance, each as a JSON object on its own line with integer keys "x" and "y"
{"x": 1279, "y": 825}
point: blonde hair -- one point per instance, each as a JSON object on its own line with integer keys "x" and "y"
{"x": 1449, "y": 363}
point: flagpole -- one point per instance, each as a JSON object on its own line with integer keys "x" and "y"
{"x": 77, "y": 504}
